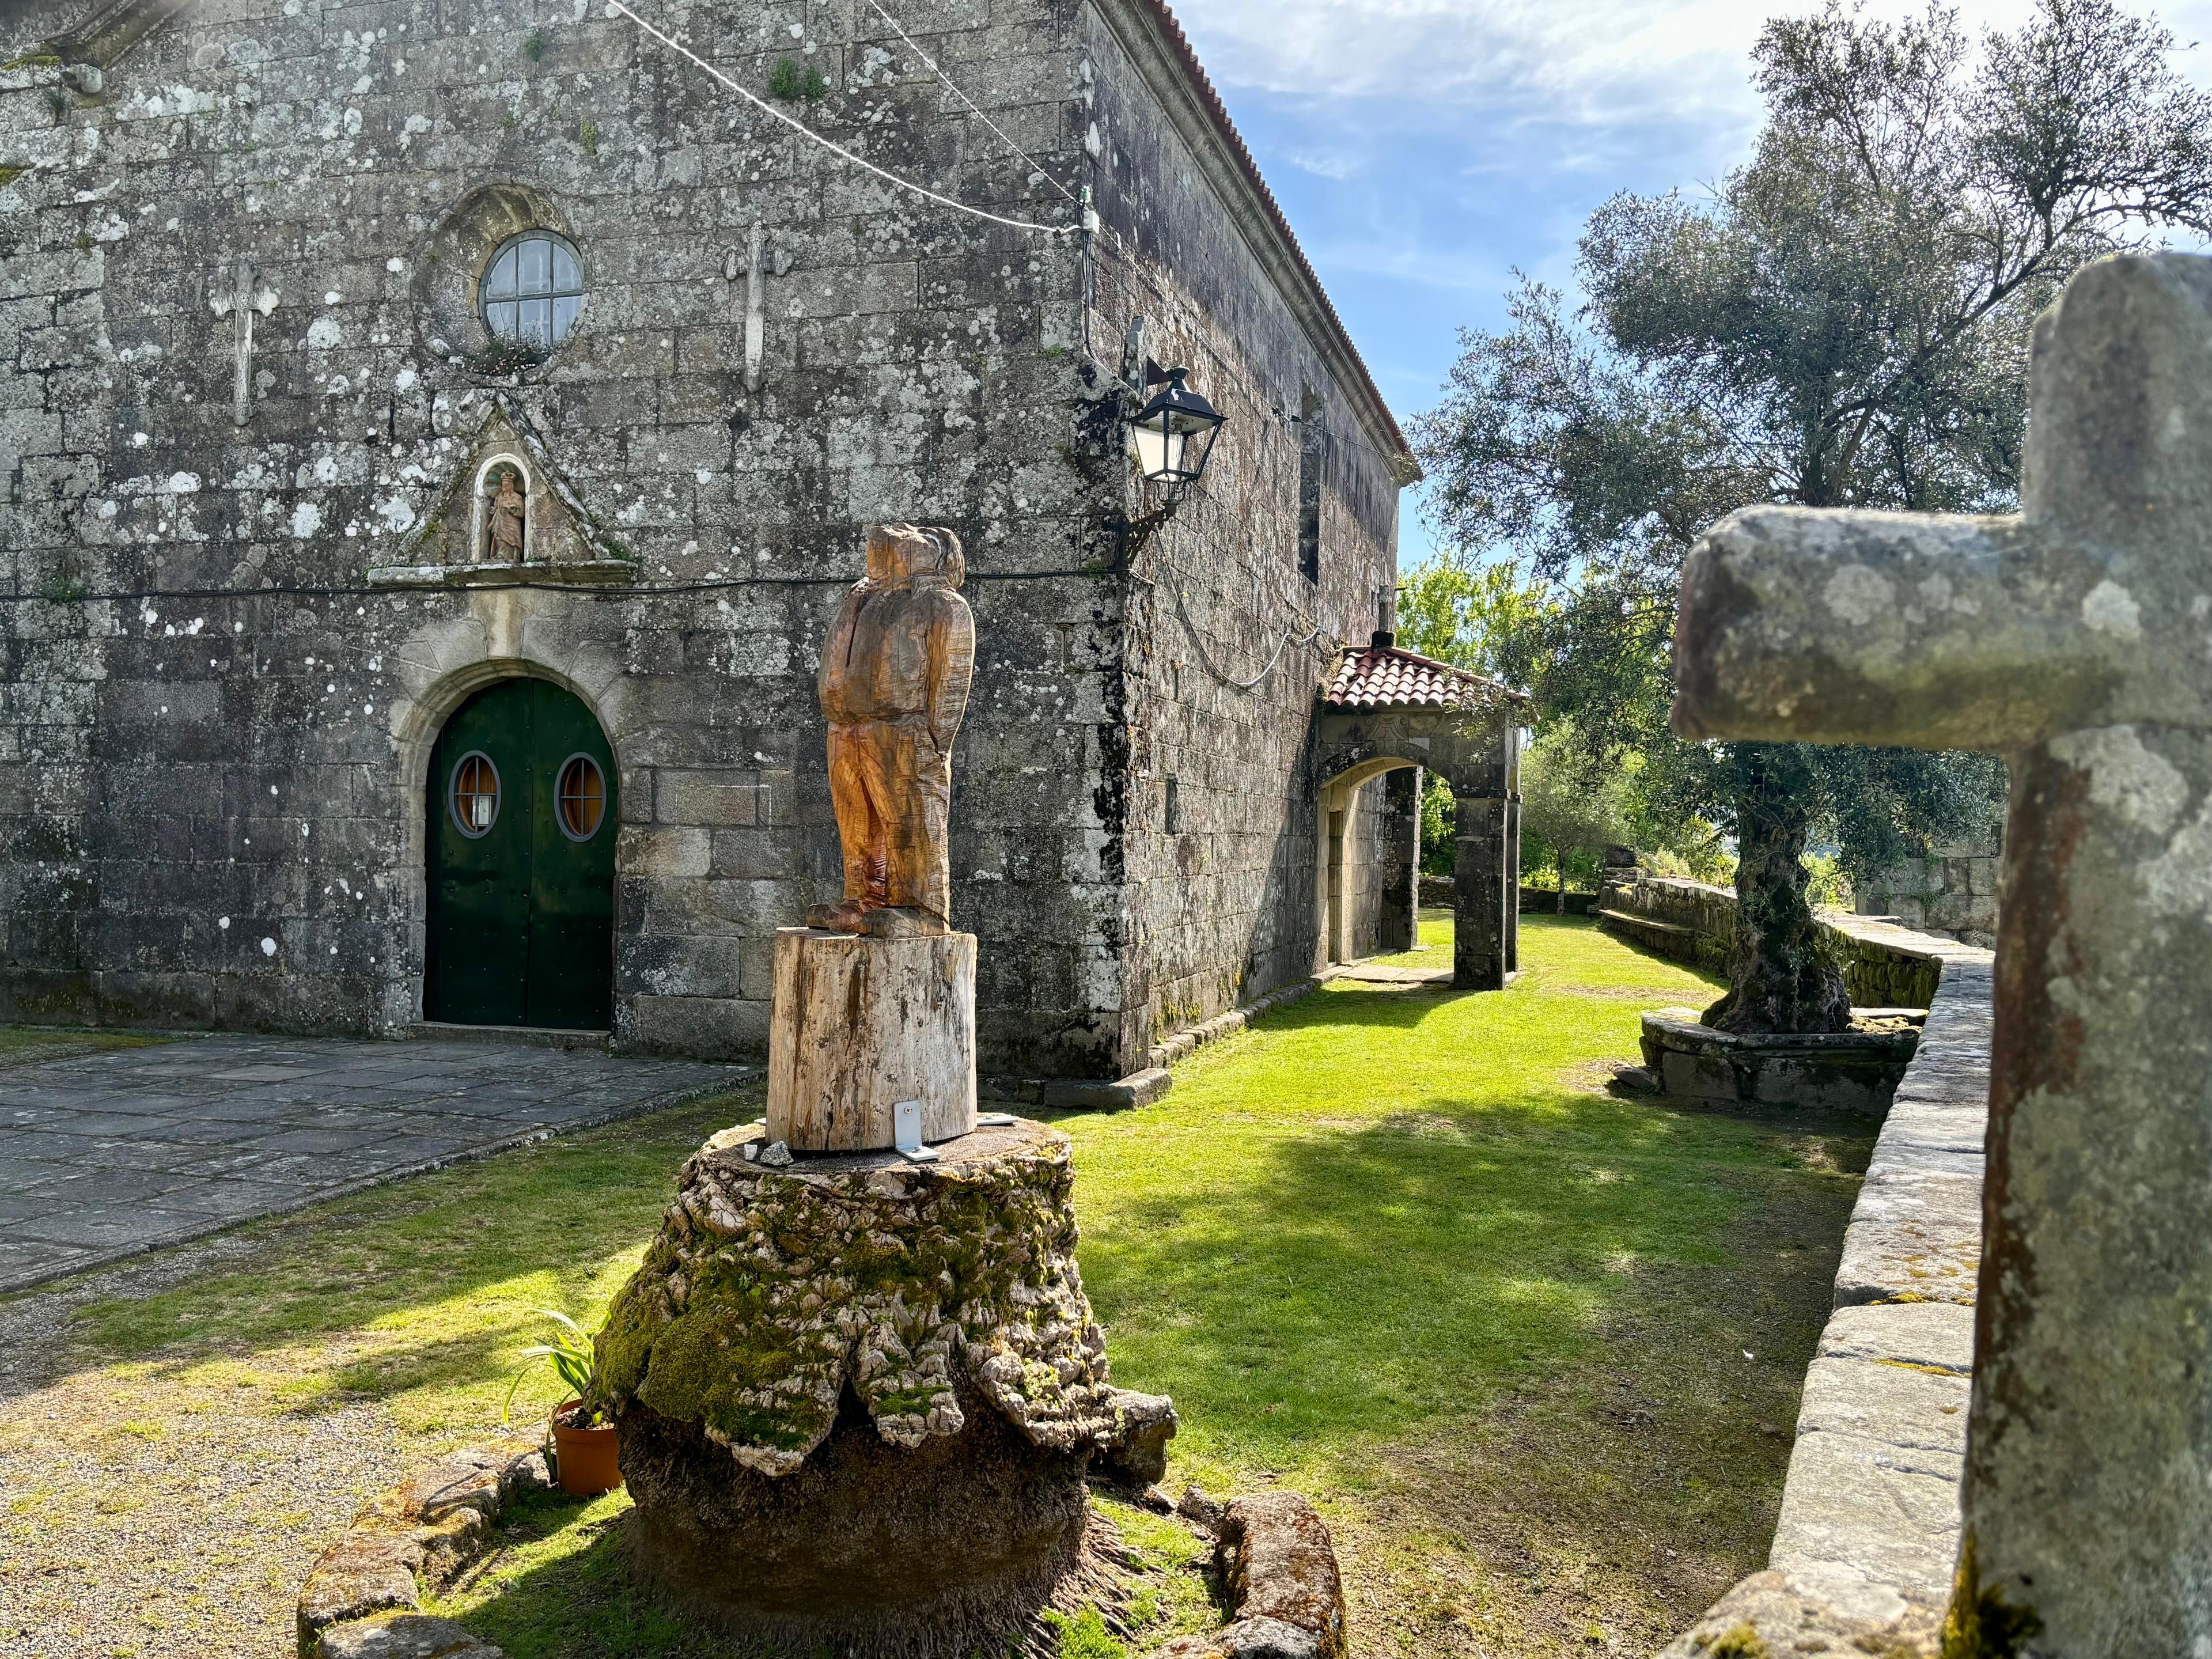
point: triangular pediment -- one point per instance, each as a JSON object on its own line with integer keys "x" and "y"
{"x": 107, "y": 32}
{"x": 507, "y": 504}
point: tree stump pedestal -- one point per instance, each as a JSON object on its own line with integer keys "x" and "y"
{"x": 858, "y": 1398}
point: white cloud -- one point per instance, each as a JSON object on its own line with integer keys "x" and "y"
{"x": 1598, "y": 60}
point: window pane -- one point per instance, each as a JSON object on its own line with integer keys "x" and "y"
{"x": 475, "y": 794}
{"x": 582, "y": 801}
{"x": 500, "y": 284}
{"x": 533, "y": 290}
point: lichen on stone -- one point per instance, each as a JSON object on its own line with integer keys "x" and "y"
{"x": 769, "y": 1292}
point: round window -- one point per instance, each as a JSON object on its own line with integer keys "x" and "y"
{"x": 580, "y": 799}
{"x": 532, "y": 290}
{"x": 474, "y": 794}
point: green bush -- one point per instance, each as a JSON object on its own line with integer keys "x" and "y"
{"x": 795, "y": 82}
{"x": 1826, "y": 882}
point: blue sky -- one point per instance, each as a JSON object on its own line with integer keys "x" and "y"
{"x": 1425, "y": 149}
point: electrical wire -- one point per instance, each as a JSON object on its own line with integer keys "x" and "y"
{"x": 798, "y": 126}
{"x": 596, "y": 590}
{"x": 1035, "y": 166}
{"x": 1198, "y": 644}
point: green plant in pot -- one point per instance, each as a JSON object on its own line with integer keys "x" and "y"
{"x": 585, "y": 1446}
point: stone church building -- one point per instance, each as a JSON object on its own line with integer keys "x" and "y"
{"x": 437, "y": 438}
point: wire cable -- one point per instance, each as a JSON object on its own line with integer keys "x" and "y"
{"x": 597, "y": 590}
{"x": 834, "y": 149}
{"x": 1198, "y": 645}
{"x": 1035, "y": 166}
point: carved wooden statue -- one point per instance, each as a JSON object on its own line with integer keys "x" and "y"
{"x": 894, "y": 686}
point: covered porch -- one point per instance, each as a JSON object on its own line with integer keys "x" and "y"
{"x": 1393, "y": 714}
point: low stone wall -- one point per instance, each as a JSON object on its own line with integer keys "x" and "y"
{"x": 1544, "y": 901}
{"x": 1682, "y": 921}
{"x": 1952, "y": 892}
{"x": 1884, "y": 965}
{"x": 1869, "y": 1531}
{"x": 363, "y": 1599}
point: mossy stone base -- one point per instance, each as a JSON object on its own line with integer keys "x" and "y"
{"x": 857, "y": 1397}
{"x": 944, "y": 1548}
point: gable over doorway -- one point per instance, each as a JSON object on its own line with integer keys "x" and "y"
{"x": 521, "y": 841}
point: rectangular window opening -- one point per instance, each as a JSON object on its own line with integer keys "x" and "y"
{"x": 1175, "y": 808}
{"x": 1313, "y": 437}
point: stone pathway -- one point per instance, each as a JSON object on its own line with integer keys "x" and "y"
{"x": 1382, "y": 973}
{"x": 105, "y": 1155}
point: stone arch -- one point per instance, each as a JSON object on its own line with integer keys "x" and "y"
{"x": 1477, "y": 751}
{"x": 1336, "y": 817}
{"x": 442, "y": 666}
{"x": 450, "y": 260}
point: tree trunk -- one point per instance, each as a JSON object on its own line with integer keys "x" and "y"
{"x": 1782, "y": 975}
{"x": 1559, "y": 864}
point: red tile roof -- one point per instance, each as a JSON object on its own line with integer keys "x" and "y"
{"x": 1218, "y": 112}
{"x": 1384, "y": 676}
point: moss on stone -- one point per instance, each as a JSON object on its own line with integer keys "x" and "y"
{"x": 1981, "y": 1624}
{"x": 769, "y": 1292}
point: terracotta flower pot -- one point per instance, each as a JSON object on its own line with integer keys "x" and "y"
{"x": 589, "y": 1458}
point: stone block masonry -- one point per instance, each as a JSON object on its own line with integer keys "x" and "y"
{"x": 191, "y": 777}
{"x": 1884, "y": 965}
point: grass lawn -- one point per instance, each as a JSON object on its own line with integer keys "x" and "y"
{"x": 1535, "y": 1350}
{"x": 26, "y": 1045}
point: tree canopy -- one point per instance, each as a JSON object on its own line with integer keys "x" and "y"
{"x": 1844, "y": 320}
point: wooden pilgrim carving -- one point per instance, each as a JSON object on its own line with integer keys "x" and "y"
{"x": 894, "y": 687}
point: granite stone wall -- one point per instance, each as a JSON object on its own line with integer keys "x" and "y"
{"x": 1884, "y": 965}
{"x": 1868, "y": 1534}
{"x": 1228, "y": 635}
{"x": 215, "y": 801}
{"x": 1952, "y": 892}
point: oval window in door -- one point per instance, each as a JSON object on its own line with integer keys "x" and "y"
{"x": 581, "y": 799}
{"x": 475, "y": 794}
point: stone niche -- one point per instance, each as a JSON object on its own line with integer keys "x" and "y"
{"x": 505, "y": 506}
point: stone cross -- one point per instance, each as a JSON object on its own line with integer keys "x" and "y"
{"x": 2077, "y": 638}
{"x": 241, "y": 304}
{"x": 755, "y": 264}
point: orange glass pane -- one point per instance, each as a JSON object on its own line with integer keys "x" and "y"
{"x": 475, "y": 794}
{"x": 582, "y": 797}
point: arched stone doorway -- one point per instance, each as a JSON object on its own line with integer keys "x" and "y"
{"x": 1393, "y": 845}
{"x": 519, "y": 846}
{"x": 1388, "y": 710}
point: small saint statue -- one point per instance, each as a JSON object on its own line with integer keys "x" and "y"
{"x": 894, "y": 686}
{"x": 505, "y": 520}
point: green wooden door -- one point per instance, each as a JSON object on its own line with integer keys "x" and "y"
{"x": 521, "y": 799}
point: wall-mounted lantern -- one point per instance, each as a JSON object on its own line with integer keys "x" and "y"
{"x": 1173, "y": 435}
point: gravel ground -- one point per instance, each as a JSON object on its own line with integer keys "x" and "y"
{"x": 164, "y": 1510}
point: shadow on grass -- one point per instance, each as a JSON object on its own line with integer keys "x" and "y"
{"x": 1551, "y": 1341}
{"x": 1350, "y": 1284}
{"x": 425, "y": 1284}
{"x": 559, "y": 1586}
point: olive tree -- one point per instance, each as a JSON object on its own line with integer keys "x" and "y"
{"x": 1842, "y": 321}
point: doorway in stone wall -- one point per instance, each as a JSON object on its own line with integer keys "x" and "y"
{"x": 521, "y": 852}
